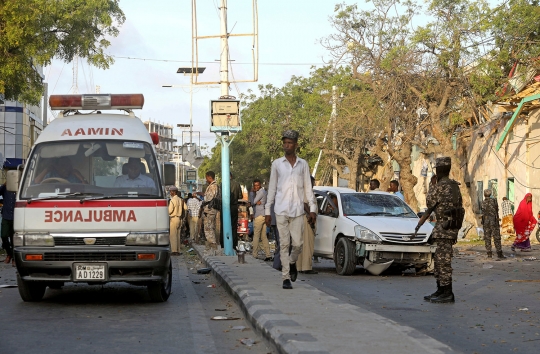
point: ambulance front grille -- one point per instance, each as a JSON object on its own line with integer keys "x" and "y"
{"x": 79, "y": 241}
{"x": 89, "y": 256}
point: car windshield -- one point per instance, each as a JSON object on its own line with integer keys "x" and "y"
{"x": 91, "y": 169}
{"x": 373, "y": 204}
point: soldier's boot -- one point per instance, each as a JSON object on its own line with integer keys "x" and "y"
{"x": 500, "y": 255}
{"x": 206, "y": 245}
{"x": 435, "y": 294}
{"x": 446, "y": 296}
{"x": 489, "y": 255}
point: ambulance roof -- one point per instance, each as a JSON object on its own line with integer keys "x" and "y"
{"x": 95, "y": 126}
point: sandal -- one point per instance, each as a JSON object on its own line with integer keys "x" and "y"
{"x": 8, "y": 259}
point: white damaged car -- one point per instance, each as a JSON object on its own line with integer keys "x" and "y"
{"x": 373, "y": 229}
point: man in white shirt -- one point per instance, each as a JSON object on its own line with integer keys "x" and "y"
{"x": 134, "y": 178}
{"x": 289, "y": 187}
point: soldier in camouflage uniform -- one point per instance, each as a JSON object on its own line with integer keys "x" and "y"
{"x": 209, "y": 214}
{"x": 443, "y": 198}
{"x": 490, "y": 220}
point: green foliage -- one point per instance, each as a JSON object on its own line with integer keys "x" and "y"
{"x": 303, "y": 104}
{"x": 33, "y": 32}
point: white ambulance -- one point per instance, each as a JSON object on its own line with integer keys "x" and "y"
{"x": 91, "y": 205}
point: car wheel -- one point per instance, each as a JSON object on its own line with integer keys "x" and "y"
{"x": 344, "y": 257}
{"x": 161, "y": 290}
{"x": 30, "y": 291}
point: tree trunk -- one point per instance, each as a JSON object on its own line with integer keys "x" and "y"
{"x": 457, "y": 172}
{"x": 406, "y": 177}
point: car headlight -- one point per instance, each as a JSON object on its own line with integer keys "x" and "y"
{"x": 141, "y": 239}
{"x": 365, "y": 234}
{"x": 38, "y": 240}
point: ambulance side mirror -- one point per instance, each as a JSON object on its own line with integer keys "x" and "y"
{"x": 13, "y": 177}
{"x": 169, "y": 174}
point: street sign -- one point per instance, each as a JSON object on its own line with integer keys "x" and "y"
{"x": 225, "y": 116}
{"x": 191, "y": 176}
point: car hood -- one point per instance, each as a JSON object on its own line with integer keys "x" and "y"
{"x": 391, "y": 224}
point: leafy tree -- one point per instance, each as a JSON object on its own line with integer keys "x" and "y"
{"x": 33, "y": 32}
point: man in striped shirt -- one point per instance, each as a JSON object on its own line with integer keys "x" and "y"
{"x": 193, "y": 205}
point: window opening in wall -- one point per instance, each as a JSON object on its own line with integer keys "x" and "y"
{"x": 494, "y": 187}
{"x": 510, "y": 192}
{"x": 479, "y": 195}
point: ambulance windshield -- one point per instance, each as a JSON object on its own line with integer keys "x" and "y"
{"x": 108, "y": 168}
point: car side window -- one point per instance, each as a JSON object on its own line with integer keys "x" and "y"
{"x": 320, "y": 202}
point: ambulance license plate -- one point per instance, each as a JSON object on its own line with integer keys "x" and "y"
{"x": 89, "y": 271}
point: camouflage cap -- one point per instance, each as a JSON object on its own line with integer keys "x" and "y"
{"x": 443, "y": 161}
{"x": 290, "y": 134}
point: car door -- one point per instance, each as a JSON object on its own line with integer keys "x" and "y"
{"x": 326, "y": 222}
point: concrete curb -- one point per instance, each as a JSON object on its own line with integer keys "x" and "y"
{"x": 278, "y": 328}
{"x": 289, "y": 336}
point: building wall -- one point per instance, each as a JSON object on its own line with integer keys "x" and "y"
{"x": 20, "y": 125}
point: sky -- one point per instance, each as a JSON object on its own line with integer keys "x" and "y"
{"x": 160, "y": 33}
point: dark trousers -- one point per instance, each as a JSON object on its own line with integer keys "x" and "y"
{"x": 234, "y": 226}
{"x": 7, "y": 236}
{"x": 277, "y": 257}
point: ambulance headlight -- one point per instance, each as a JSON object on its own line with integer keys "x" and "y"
{"x": 163, "y": 239}
{"x": 18, "y": 240}
{"x": 141, "y": 240}
{"x": 38, "y": 240}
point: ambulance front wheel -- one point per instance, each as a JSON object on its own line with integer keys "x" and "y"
{"x": 161, "y": 290}
{"x": 30, "y": 291}
{"x": 55, "y": 180}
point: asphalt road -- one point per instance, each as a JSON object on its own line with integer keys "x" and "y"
{"x": 490, "y": 315}
{"x": 119, "y": 318}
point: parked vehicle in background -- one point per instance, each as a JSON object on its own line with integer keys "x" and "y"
{"x": 91, "y": 206}
{"x": 373, "y": 229}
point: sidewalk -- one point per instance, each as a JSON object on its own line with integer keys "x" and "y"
{"x": 306, "y": 320}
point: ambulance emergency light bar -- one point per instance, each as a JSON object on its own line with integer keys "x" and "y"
{"x": 97, "y": 101}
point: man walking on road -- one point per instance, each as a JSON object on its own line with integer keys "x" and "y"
{"x": 193, "y": 206}
{"x": 259, "y": 226}
{"x": 445, "y": 199}
{"x": 289, "y": 187}
{"x": 176, "y": 207}
{"x": 490, "y": 221}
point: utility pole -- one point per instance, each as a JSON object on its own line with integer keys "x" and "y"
{"x": 334, "y": 138}
{"x": 225, "y": 112}
{"x": 225, "y": 142}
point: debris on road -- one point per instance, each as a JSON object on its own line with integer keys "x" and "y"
{"x": 247, "y": 342}
{"x": 529, "y": 259}
{"x": 8, "y": 286}
{"x": 239, "y": 328}
{"x": 204, "y": 270}
{"x": 487, "y": 266}
{"x": 211, "y": 286}
{"x": 223, "y": 318}
{"x": 524, "y": 309}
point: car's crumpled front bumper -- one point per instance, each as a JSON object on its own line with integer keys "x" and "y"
{"x": 400, "y": 254}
